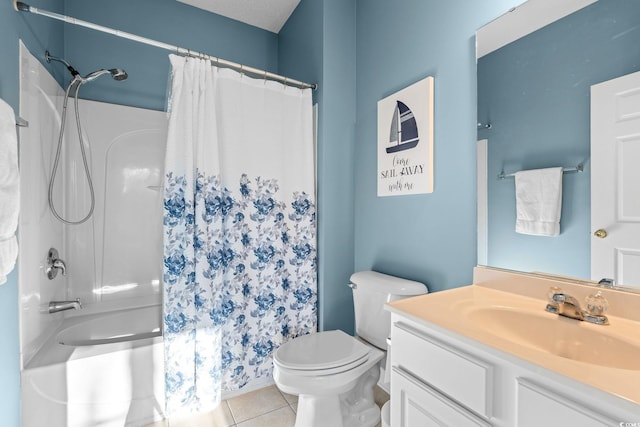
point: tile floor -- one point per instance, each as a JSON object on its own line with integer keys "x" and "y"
{"x": 265, "y": 407}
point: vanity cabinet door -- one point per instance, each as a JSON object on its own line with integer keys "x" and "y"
{"x": 464, "y": 377}
{"x": 539, "y": 406}
{"x": 415, "y": 404}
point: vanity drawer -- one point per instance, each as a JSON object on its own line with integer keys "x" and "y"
{"x": 454, "y": 373}
{"x": 537, "y": 405}
{"x": 415, "y": 404}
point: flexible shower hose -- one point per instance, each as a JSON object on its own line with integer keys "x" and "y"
{"x": 78, "y": 82}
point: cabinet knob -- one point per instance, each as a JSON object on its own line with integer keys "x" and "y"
{"x": 600, "y": 233}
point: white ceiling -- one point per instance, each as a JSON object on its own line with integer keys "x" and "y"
{"x": 269, "y": 15}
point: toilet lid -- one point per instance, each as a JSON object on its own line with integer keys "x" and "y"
{"x": 323, "y": 350}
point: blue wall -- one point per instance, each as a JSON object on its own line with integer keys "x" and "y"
{"x": 9, "y": 352}
{"x": 37, "y": 36}
{"x": 317, "y": 44}
{"x": 359, "y": 51}
{"x": 430, "y": 238}
{"x": 167, "y": 21}
{"x": 536, "y": 94}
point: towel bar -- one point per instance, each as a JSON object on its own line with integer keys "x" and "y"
{"x": 578, "y": 168}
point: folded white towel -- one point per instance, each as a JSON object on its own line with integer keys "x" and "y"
{"x": 539, "y": 201}
{"x": 9, "y": 190}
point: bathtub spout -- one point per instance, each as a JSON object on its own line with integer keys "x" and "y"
{"x": 56, "y": 306}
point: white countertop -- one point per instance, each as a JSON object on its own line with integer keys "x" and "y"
{"x": 446, "y": 311}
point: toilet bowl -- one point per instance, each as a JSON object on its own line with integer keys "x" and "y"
{"x": 385, "y": 414}
{"x": 333, "y": 375}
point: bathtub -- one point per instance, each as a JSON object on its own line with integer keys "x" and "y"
{"x": 123, "y": 326}
{"x": 98, "y": 370}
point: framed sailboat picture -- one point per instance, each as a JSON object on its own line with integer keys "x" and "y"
{"x": 405, "y": 141}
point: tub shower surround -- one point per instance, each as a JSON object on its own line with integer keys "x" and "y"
{"x": 239, "y": 231}
{"x": 107, "y": 372}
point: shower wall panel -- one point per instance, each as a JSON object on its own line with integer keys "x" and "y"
{"x": 40, "y": 105}
{"x": 115, "y": 259}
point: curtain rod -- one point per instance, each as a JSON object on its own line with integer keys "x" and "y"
{"x": 23, "y": 7}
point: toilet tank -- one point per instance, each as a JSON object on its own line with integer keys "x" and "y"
{"x": 370, "y": 291}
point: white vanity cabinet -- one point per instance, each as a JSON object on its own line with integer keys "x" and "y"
{"x": 439, "y": 378}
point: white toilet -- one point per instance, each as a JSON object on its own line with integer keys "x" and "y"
{"x": 334, "y": 373}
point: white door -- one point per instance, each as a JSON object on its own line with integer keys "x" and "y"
{"x": 615, "y": 180}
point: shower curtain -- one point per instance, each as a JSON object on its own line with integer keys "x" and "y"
{"x": 239, "y": 230}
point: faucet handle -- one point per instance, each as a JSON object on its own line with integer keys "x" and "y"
{"x": 552, "y": 306}
{"x": 551, "y": 294}
{"x": 54, "y": 264}
{"x": 596, "y": 304}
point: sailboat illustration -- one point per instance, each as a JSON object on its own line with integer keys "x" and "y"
{"x": 404, "y": 130}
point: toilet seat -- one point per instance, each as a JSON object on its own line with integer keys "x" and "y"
{"x": 322, "y": 353}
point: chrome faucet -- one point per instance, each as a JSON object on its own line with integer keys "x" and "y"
{"x": 607, "y": 283}
{"x": 56, "y": 306}
{"x": 567, "y": 306}
{"x": 54, "y": 264}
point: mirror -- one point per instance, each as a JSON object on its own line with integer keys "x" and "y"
{"x": 534, "y": 112}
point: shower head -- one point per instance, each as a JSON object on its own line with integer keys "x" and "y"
{"x": 116, "y": 73}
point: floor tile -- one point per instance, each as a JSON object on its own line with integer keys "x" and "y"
{"x": 163, "y": 423}
{"x": 380, "y": 396}
{"x": 290, "y": 398}
{"x": 256, "y": 403}
{"x": 283, "y": 417}
{"x": 220, "y": 417}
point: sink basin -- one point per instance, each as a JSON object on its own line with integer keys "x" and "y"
{"x": 558, "y": 335}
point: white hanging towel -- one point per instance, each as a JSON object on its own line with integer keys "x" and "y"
{"x": 9, "y": 190}
{"x": 539, "y": 201}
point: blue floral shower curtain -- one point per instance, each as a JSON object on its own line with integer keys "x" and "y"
{"x": 239, "y": 230}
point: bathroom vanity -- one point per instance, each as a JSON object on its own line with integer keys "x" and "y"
{"x": 490, "y": 355}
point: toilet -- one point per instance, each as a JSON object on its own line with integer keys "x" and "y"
{"x": 332, "y": 373}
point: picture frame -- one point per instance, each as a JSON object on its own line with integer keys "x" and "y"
{"x": 405, "y": 140}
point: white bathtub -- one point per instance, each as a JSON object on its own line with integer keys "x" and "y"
{"x": 126, "y": 325}
{"x": 98, "y": 370}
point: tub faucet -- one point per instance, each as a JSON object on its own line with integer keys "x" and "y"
{"x": 567, "y": 306}
{"x": 56, "y": 306}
